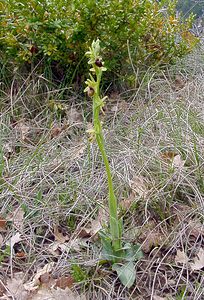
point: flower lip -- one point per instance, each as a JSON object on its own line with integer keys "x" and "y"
{"x": 98, "y": 63}
{"x": 90, "y": 91}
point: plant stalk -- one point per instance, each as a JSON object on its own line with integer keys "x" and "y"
{"x": 112, "y": 201}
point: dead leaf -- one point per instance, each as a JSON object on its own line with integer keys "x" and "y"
{"x": 56, "y": 248}
{"x": 181, "y": 257}
{"x": 92, "y": 230}
{"x": 120, "y": 106}
{"x": 198, "y": 261}
{"x": 155, "y": 297}
{"x": 78, "y": 151}
{"x": 179, "y": 82}
{"x": 178, "y": 163}
{"x": 23, "y": 129}
{"x": 18, "y": 218}
{"x": 151, "y": 236}
{"x": 20, "y": 254}
{"x": 14, "y": 240}
{"x": 15, "y": 288}
{"x": 139, "y": 186}
{"x": 138, "y": 190}
{"x": 1, "y": 240}
{"x": 95, "y": 225}
{"x": 8, "y": 149}
{"x": 195, "y": 228}
{"x": 59, "y": 236}
{"x": 45, "y": 279}
{"x": 74, "y": 117}
{"x": 56, "y": 294}
{"x": 168, "y": 155}
{"x": 55, "y": 131}
{"x": 64, "y": 282}
{"x": 2, "y": 224}
{"x": 34, "y": 284}
{"x": 154, "y": 239}
{"x": 127, "y": 203}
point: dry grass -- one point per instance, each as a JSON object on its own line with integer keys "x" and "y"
{"x": 55, "y": 177}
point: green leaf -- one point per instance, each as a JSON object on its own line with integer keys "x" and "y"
{"x": 132, "y": 252}
{"x": 107, "y": 249}
{"x": 126, "y": 273}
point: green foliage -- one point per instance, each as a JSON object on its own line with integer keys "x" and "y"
{"x": 59, "y": 32}
{"x": 78, "y": 273}
{"x": 5, "y": 253}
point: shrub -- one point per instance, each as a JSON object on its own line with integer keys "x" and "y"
{"x": 59, "y": 33}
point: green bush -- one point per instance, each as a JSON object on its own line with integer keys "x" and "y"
{"x": 59, "y": 32}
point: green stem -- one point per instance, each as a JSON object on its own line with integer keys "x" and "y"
{"x": 114, "y": 222}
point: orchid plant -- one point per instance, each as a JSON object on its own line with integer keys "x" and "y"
{"x": 121, "y": 256}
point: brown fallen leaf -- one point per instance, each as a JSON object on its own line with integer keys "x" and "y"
{"x": 15, "y": 288}
{"x": 120, "y": 106}
{"x": 23, "y": 129}
{"x": 1, "y": 240}
{"x": 16, "y": 238}
{"x": 198, "y": 263}
{"x": 155, "y": 297}
{"x": 138, "y": 190}
{"x": 64, "y": 281}
{"x": 195, "y": 228}
{"x": 181, "y": 257}
{"x": 177, "y": 162}
{"x": 151, "y": 236}
{"x": 20, "y": 255}
{"x": 127, "y": 203}
{"x": 55, "y": 131}
{"x": 59, "y": 236}
{"x": 168, "y": 155}
{"x": 95, "y": 225}
{"x": 18, "y": 218}
{"x": 56, "y": 294}
{"x": 2, "y": 224}
{"x": 34, "y": 284}
{"x": 46, "y": 280}
{"x": 74, "y": 117}
{"x": 139, "y": 186}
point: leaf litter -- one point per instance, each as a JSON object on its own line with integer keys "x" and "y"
{"x": 154, "y": 235}
{"x": 139, "y": 190}
{"x": 198, "y": 262}
{"x": 42, "y": 287}
{"x": 16, "y": 238}
{"x": 181, "y": 257}
{"x": 18, "y": 218}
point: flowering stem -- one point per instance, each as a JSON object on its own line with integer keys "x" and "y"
{"x": 114, "y": 224}
{"x": 94, "y": 89}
